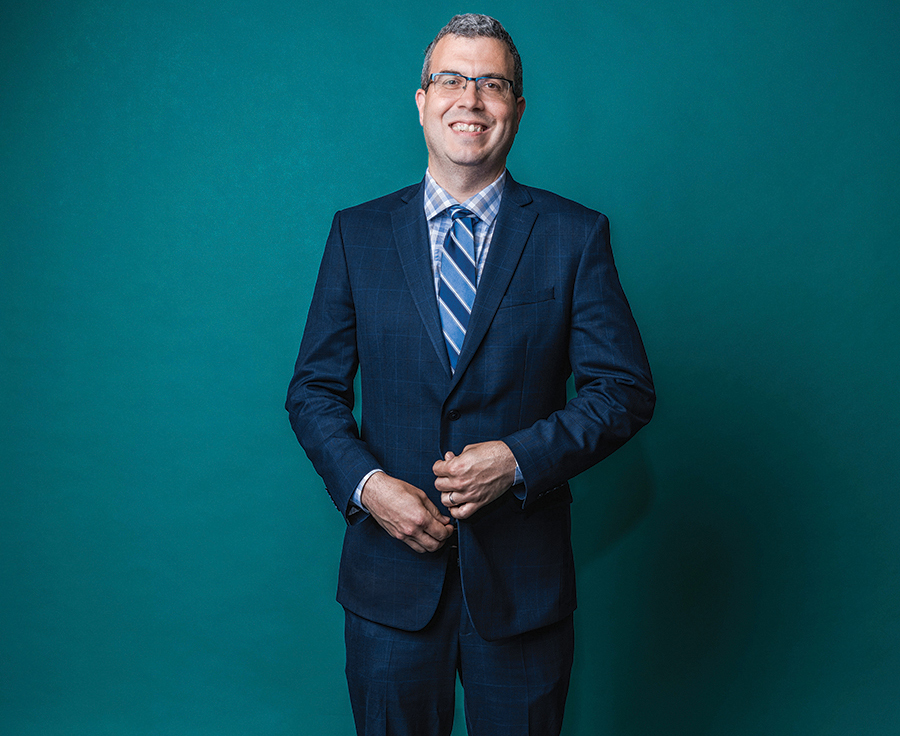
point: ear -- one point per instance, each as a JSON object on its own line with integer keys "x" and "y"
{"x": 520, "y": 105}
{"x": 420, "y": 103}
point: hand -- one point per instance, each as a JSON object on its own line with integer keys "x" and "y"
{"x": 405, "y": 512}
{"x": 471, "y": 480}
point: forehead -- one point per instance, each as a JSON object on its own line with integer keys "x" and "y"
{"x": 474, "y": 56}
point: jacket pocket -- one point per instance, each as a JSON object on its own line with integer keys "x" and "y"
{"x": 519, "y": 298}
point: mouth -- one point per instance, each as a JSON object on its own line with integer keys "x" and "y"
{"x": 468, "y": 127}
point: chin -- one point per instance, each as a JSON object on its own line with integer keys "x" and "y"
{"x": 469, "y": 158}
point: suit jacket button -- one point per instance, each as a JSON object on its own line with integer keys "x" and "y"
{"x": 453, "y": 415}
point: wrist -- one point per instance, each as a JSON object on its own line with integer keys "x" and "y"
{"x": 359, "y": 494}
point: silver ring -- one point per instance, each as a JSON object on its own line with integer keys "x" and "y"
{"x": 450, "y": 497}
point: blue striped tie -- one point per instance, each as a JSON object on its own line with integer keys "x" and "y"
{"x": 459, "y": 275}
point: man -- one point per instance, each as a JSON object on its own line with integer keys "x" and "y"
{"x": 465, "y": 325}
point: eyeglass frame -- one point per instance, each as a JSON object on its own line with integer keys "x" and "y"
{"x": 512, "y": 85}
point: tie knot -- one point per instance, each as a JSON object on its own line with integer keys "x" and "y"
{"x": 458, "y": 212}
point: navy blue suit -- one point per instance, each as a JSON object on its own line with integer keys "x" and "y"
{"x": 548, "y": 304}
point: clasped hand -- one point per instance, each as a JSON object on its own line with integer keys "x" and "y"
{"x": 467, "y": 482}
{"x": 477, "y": 476}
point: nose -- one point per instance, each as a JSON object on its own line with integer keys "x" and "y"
{"x": 469, "y": 97}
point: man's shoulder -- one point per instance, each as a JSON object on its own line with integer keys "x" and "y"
{"x": 548, "y": 202}
{"x": 382, "y": 205}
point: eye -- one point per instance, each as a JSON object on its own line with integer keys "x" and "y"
{"x": 491, "y": 85}
{"x": 450, "y": 81}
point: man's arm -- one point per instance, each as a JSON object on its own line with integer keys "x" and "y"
{"x": 614, "y": 388}
{"x": 320, "y": 395}
{"x": 320, "y": 403}
{"x": 614, "y": 399}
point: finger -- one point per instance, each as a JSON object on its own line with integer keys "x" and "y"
{"x": 438, "y": 527}
{"x": 440, "y": 466}
{"x": 437, "y": 531}
{"x": 463, "y": 511}
{"x": 425, "y": 543}
{"x": 453, "y": 498}
{"x": 429, "y": 544}
{"x": 445, "y": 521}
{"x": 414, "y": 545}
{"x": 437, "y": 515}
{"x": 448, "y": 484}
{"x": 428, "y": 539}
{"x": 442, "y": 469}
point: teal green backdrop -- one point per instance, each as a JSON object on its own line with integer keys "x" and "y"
{"x": 169, "y": 171}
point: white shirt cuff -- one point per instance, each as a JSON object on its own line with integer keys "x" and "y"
{"x": 356, "y": 499}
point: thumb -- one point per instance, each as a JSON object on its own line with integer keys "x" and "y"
{"x": 438, "y": 467}
{"x": 439, "y": 516}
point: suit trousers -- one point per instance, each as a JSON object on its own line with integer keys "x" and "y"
{"x": 403, "y": 683}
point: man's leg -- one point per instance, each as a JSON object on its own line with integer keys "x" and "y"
{"x": 403, "y": 683}
{"x": 516, "y": 686}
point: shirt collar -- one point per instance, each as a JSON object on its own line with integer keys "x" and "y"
{"x": 485, "y": 204}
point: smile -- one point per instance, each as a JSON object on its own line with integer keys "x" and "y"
{"x": 467, "y": 128}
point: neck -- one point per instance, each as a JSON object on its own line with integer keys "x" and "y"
{"x": 463, "y": 184}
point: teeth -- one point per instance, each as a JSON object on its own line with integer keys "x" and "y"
{"x": 462, "y": 127}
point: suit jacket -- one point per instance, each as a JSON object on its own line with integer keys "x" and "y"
{"x": 548, "y": 305}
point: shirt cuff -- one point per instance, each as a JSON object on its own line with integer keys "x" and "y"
{"x": 518, "y": 488}
{"x": 356, "y": 504}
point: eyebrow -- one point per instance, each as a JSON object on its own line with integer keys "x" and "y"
{"x": 489, "y": 75}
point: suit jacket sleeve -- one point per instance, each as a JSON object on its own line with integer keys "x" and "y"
{"x": 615, "y": 395}
{"x": 320, "y": 396}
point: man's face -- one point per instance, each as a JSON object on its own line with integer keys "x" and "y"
{"x": 447, "y": 122}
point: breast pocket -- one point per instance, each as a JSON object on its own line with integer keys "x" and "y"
{"x": 528, "y": 317}
{"x": 523, "y": 298}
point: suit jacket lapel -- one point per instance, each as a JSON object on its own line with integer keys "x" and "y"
{"x": 514, "y": 224}
{"x": 414, "y": 248}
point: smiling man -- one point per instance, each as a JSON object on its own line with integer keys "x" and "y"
{"x": 470, "y": 106}
{"x": 465, "y": 302}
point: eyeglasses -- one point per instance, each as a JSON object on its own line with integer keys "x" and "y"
{"x": 450, "y": 84}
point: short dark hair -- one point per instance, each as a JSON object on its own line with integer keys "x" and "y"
{"x": 472, "y": 25}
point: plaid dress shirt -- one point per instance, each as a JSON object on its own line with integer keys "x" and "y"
{"x": 485, "y": 205}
